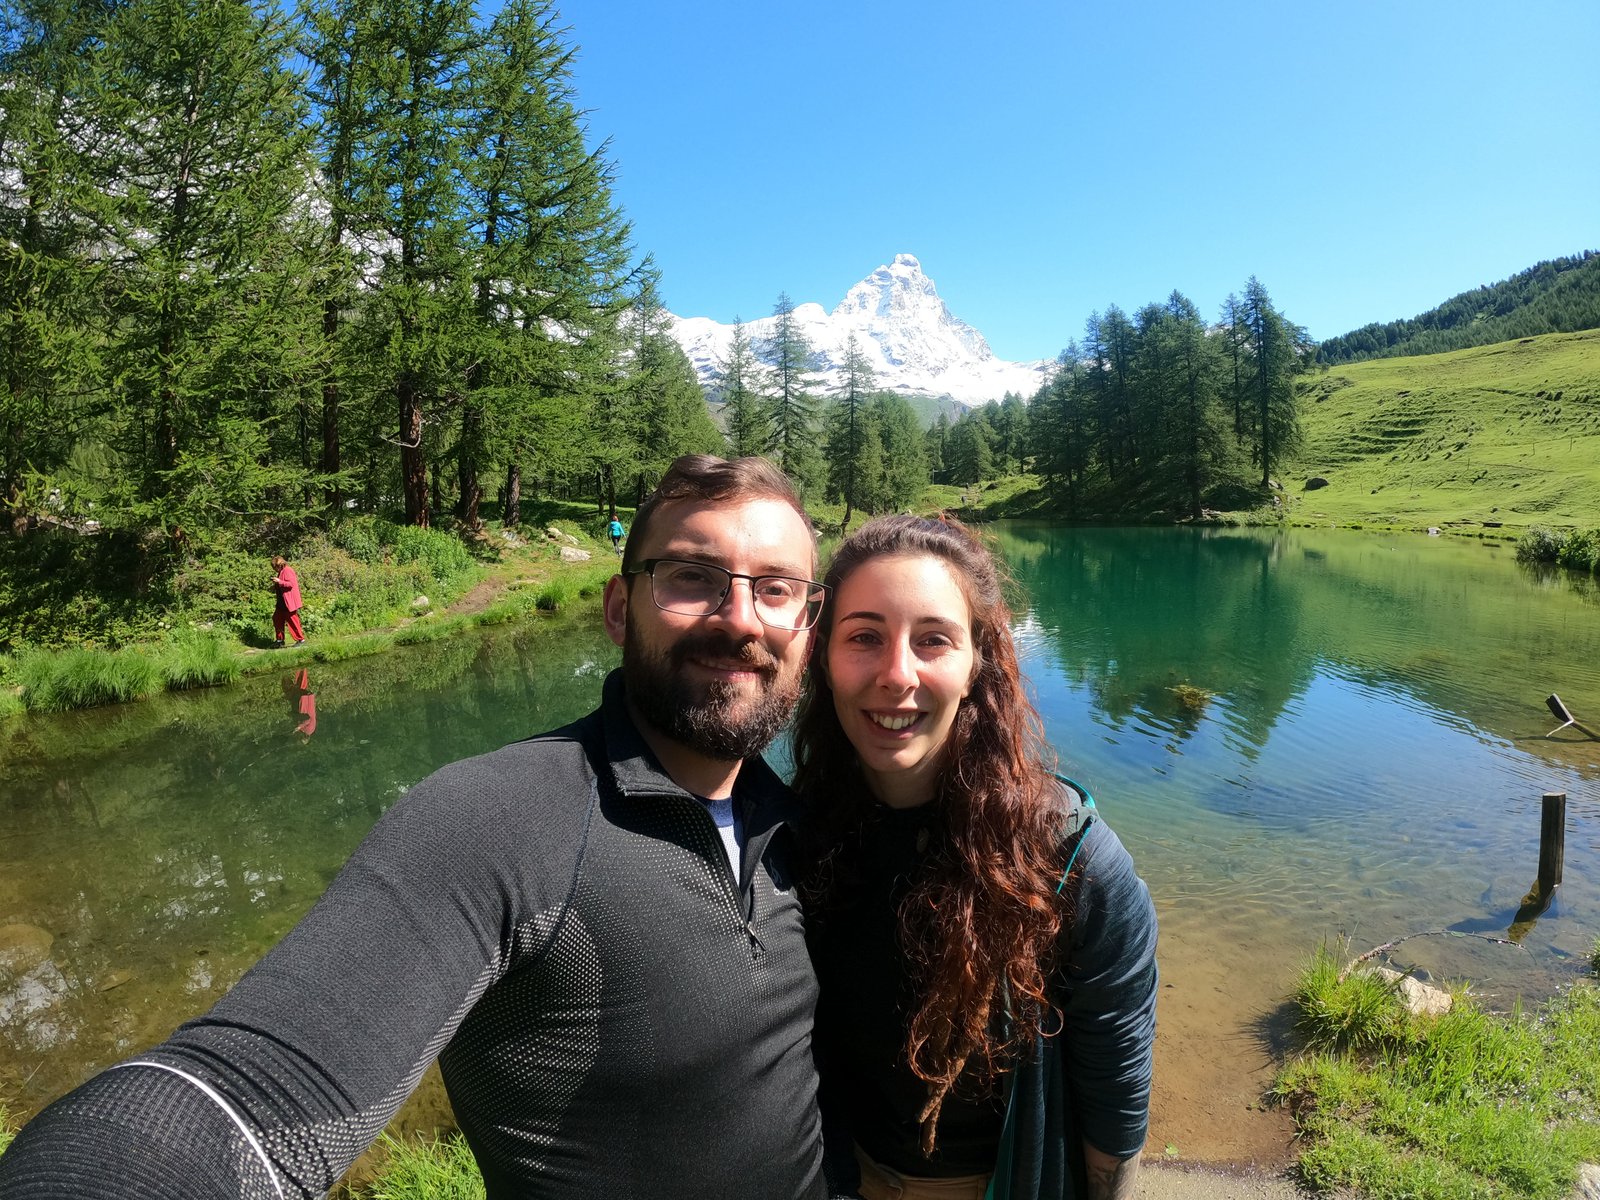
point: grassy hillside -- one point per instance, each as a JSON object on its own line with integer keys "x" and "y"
{"x": 1506, "y": 434}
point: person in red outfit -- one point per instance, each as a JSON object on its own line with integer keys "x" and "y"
{"x": 287, "y": 584}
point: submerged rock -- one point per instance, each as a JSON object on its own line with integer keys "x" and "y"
{"x": 23, "y": 947}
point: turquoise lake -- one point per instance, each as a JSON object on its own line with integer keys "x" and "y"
{"x": 1300, "y": 735}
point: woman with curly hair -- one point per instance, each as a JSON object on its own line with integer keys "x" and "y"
{"x": 985, "y": 949}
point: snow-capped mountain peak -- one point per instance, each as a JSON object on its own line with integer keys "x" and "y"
{"x": 915, "y": 345}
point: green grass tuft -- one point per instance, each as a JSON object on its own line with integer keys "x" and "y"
{"x": 58, "y": 680}
{"x": 197, "y": 659}
{"x": 1464, "y": 1106}
{"x": 1353, "y": 1012}
{"x": 8, "y": 1130}
{"x": 440, "y": 1170}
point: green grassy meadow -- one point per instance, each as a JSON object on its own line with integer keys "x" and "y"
{"x": 1507, "y": 434}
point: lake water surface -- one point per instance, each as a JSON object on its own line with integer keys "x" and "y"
{"x": 1365, "y": 762}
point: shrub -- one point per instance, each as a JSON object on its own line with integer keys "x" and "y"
{"x": 443, "y": 555}
{"x": 359, "y": 539}
{"x": 1581, "y": 551}
{"x": 1540, "y": 545}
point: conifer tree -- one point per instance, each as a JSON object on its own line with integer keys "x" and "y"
{"x": 790, "y": 365}
{"x": 905, "y": 469}
{"x": 935, "y": 442}
{"x": 970, "y": 460}
{"x": 1277, "y": 349}
{"x": 549, "y": 253}
{"x": 848, "y": 476}
{"x": 337, "y": 38}
{"x": 200, "y": 147}
{"x": 421, "y": 312}
{"x": 1195, "y": 437}
{"x": 51, "y": 391}
{"x": 744, "y": 414}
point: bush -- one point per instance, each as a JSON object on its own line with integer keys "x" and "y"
{"x": 359, "y": 539}
{"x": 1581, "y": 551}
{"x": 443, "y": 555}
{"x": 1540, "y": 545}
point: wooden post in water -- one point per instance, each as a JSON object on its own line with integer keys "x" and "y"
{"x": 1552, "y": 841}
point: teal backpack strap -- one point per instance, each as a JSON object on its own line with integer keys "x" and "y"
{"x": 1077, "y": 824}
{"x": 1078, "y": 821}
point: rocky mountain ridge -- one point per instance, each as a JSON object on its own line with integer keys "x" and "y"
{"x": 915, "y": 344}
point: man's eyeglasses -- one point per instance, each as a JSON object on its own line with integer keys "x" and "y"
{"x": 693, "y": 589}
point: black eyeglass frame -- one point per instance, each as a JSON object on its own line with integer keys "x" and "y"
{"x": 816, "y": 597}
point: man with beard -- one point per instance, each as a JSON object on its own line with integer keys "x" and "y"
{"x": 592, "y": 931}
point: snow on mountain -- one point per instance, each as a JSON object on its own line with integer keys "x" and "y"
{"x": 916, "y": 345}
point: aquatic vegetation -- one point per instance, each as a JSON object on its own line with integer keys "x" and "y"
{"x": 1466, "y": 1104}
{"x": 1191, "y": 699}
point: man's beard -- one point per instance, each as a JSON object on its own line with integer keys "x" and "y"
{"x": 706, "y": 717}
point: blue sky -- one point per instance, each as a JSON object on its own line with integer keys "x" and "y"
{"x": 1044, "y": 160}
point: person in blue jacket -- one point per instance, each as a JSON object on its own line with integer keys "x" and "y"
{"x": 616, "y": 531}
{"x": 984, "y": 948}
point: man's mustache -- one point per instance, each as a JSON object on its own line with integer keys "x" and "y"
{"x": 720, "y": 646}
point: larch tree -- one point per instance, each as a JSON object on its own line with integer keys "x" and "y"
{"x": 847, "y": 474}
{"x": 905, "y": 467}
{"x": 790, "y": 365}
{"x": 744, "y": 412}
{"x": 51, "y": 391}
{"x": 1194, "y": 435}
{"x": 199, "y": 142}
{"x": 421, "y": 310}
{"x": 551, "y": 257}
{"x": 1277, "y": 349}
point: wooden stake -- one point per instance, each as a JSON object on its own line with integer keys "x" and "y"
{"x": 1552, "y": 841}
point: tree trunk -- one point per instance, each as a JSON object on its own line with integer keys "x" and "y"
{"x": 513, "y": 512}
{"x": 330, "y": 413}
{"x": 413, "y": 464}
{"x": 471, "y": 489}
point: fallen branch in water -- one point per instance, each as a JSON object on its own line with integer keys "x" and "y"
{"x": 1387, "y": 946}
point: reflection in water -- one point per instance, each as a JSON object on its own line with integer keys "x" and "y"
{"x": 302, "y": 702}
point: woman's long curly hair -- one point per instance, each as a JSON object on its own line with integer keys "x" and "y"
{"x": 979, "y": 924}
